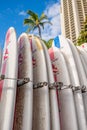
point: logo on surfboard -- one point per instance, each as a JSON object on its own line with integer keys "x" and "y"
{"x": 33, "y": 61}
{"x": 55, "y": 69}
{"x": 6, "y": 54}
{"x": 20, "y": 58}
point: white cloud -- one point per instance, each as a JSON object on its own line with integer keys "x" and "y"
{"x": 52, "y": 10}
{"x": 53, "y": 13}
{"x": 23, "y": 13}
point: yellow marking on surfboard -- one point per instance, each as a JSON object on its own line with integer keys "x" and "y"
{"x": 38, "y": 44}
{"x": 37, "y": 41}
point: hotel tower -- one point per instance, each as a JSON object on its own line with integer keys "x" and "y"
{"x": 73, "y": 13}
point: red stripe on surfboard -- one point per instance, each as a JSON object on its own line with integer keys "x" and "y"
{"x": 2, "y": 82}
{"x": 30, "y": 40}
{"x": 33, "y": 59}
{"x": 53, "y": 66}
{"x": 5, "y": 57}
{"x": 21, "y": 45}
{"x": 52, "y": 57}
{"x": 51, "y": 53}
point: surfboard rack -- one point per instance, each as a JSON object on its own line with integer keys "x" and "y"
{"x": 40, "y": 85}
{"x": 84, "y": 89}
{"x": 20, "y": 82}
{"x": 2, "y": 77}
{"x": 55, "y": 85}
{"x": 76, "y": 88}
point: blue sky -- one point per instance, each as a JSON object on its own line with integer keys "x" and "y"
{"x": 13, "y": 12}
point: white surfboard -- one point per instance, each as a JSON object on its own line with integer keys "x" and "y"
{"x": 0, "y": 59}
{"x": 24, "y": 101}
{"x": 83, "y": 81}
{"x": 80, "y": 112}
{"x": 83, "y": 63}
{"x": 41, "y": 106}
{"x": 54, "y": 109}
{"x": 9, "y": 68}
{"x": 84, "y": 94}
{"x": 83, "y": 56}
{"x": 66, "y": 100}
{"x": 84, "y": 46}
{"x": 81, "y": 73}
{"x": 68, "y": 53}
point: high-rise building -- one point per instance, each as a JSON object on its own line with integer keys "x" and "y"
{"x": 73, "y": 13}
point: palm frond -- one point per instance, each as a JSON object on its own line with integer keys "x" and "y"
{"x": 43, "y": 17}
{"x": 47, "y": 22}
{"x": 43, "y": 23}
{"x": 30, "y": 17}
{"x": 34, "y": 21}
{"x": 32, "y": 14}
{"x": 35, "y": 27}
{"x": 29, "y": 21}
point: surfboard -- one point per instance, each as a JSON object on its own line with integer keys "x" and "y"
{"x": 83, "y": 63}
{"x": 41, "y": 106}
{"x": 84, "y": 94}
{"x": 24, "y": 100}
{"x": 9, "y": 68}
{"x": 0, "y": 59}
{"x": 84, "y": 46}
{"x": 83, "y": 56}
{"x": 83, "y": 82}
{"x": 54, "y": 109}
{"x": 80, "y": 70}
{"x": 67, "y": 51}
{"x": 66, "y": 100}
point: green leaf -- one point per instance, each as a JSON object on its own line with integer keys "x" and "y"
{"x": 35, "y": 27}
{"x": 32, "y": 14}
{"x": 43, "y": 17}
{"x": 83, "y": 34}
{"x": 33, "y": 21}
{"x": 28, "y": 21}
{"x": 47, "y": 22}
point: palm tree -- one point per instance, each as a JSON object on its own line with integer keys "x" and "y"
{"x": 36, "y": 22}
{"x": 83, "y": 34}
{"x": 48, "y": 43}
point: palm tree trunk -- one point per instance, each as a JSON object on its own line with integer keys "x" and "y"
{"x": 39, "y": 29}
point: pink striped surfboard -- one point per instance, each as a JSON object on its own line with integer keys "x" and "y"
{"x": 9, "y": 68}
{"x": 65, "y": 96}
{"x": 24, "y": 100}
